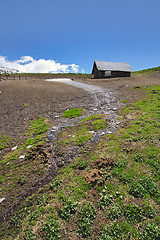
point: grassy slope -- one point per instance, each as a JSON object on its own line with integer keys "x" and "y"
{"x": 119, "y": 198}
{"x": 18, "y": 171}
{"x": 147, "y": 71}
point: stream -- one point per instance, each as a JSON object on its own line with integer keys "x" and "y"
{"x": 103, "y": 102}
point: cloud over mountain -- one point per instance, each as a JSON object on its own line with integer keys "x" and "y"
{"x": 28, "y": 64}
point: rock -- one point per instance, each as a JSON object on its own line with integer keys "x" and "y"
{"x": 2, "y": 199}
{"x": 50, "y": 137}
{"x": 14, "y": 148}
{"x": 92, "y": 132}
{"x": 29, "y": 146}
{"x": 109, "y": 132}
{"x": 53, "y": 130}
{"x": 60, "y": 163}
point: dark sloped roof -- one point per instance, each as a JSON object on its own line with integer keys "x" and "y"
{"x": 113, "y": 66}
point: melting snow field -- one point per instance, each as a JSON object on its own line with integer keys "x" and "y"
{"x": 84, "y": 86}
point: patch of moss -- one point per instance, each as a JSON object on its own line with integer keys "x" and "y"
{"x": 4, "y": 141}
{"x": 38, "y": 126}
{"x": 72, "y": 113}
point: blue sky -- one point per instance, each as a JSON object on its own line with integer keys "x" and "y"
{"x": 75, "y": 33}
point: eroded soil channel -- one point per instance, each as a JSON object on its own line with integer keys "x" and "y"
{"x": 104, "y": 102}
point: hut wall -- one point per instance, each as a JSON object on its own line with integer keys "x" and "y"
{"x": 104, "y": 74}
{"x": 96, "y": 73}
{"x": 109, "y": 74}
{"x": 120, "y": 74}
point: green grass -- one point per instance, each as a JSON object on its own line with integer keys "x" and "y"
{"x": 72, "y": 113}
{"x": 147, "y": 71}
{"x": 38, "y": 126}
{"x": 124, "y": 204}
{"x": 52, "y": 75}
{"x": 124, "y": 101}
{"x": 92, "y": 117}
{"x": 4, "y": 141}
{"x": 82, "y": 132}
{"x": 16, "y": 172}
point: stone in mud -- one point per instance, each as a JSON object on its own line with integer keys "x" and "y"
{"x": 14, "y": 148}
{"x": 2, "y": 199}
{"x": 109, "y": 132}
{"x": 29, "y": 146}
{"x": 50, "y": 137}
{"x": 60, "y": 163}
{"x": 92, "y": 132}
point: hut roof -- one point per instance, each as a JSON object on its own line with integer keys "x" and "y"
{"x": 113, "y": 66}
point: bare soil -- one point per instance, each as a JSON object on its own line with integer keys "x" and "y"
{"x": 24, "y": 100}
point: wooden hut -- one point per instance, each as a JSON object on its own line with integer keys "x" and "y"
{"x": 111, "y": 69}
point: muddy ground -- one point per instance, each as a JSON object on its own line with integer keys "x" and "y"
{"x": 24, "y": 100}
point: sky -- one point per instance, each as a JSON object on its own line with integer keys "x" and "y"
{"x": 68, "y": 35}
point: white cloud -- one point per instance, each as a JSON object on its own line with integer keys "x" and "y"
{"x": 28, "y": 64}
{"x": 25, "y": 59}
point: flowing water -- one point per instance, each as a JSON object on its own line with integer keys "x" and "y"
{"x": 103, "y": 102}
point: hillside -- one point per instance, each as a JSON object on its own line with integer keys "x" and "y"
{"x": 147, "y": 71}
{"x": 83, "y": 179}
